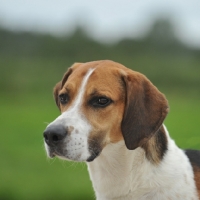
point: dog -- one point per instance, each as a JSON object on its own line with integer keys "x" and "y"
{"x": 112, "y": 118}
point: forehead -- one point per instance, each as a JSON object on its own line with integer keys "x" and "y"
{"x": 104, "y": 79}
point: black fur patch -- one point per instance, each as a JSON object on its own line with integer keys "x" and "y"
{"x": 156, "y": 147}
{"x": 194, "y": 156}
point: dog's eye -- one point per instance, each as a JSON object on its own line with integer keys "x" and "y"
{"x": 64, "y": 98}
{"x": 101, "y": 102}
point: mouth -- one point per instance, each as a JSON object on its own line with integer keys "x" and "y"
{"x": 94, "y": 154}
{"x": 52, "y": 152}
{"x": 73, "y": 154}
{"x": 61, "y": 154}
{"x": 91, "y": 158}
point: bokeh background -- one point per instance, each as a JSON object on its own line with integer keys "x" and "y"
{"x": 40, "y": 39}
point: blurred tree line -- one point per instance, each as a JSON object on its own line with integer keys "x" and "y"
{"x": 33, "y": 62}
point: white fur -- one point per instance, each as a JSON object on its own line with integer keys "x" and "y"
{"x": 122, "y": 174}
{"x": 76, "y": 147}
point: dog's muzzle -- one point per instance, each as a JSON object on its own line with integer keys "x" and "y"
{"x": 60, "y": 142}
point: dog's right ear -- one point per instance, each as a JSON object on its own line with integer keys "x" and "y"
{"x": 56, "y": 90}
{"x": 60, "y": 85}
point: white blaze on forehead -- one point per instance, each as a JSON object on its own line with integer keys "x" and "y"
{"x": 79, "y": 98}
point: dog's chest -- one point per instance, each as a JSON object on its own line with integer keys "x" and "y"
{"x": 132, "y": 177}
{"x": 140, "y": 187}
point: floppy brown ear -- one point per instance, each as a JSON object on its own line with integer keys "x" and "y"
{"x": 56, "y": 90}
{"x": 145, "y": 110}
{"x": 60, "y": 85}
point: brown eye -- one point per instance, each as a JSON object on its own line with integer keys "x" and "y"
{"x": 103, "y": 101}
{"x": 64, "y": 98}
{"x": 100, "y": 102}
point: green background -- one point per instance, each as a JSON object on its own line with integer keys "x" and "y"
{"x": 31, "y": 64}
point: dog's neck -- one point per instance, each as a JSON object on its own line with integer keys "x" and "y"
{"x": 118, "y": 167}
{"x": 119, "y": 173}
{"x": 114, "y": 168}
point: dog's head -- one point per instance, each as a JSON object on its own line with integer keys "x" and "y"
{"x": 103, "y": 102}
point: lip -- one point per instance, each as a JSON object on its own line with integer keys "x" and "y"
{"x": 52, "y": 154}
{"x": 53, "y": 151}
{"x": 93, "y": 156}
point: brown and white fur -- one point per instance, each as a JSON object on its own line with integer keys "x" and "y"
{"x": 112, "y": 118}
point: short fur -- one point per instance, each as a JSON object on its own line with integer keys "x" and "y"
{"x": 128, "y": 150}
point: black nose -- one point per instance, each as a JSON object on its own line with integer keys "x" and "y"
{"x": 54, "y": 134}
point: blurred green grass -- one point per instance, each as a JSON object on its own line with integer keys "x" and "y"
{"x": 183, "y": 120}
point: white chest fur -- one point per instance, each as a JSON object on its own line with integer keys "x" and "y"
{"x": 122, "y": 174}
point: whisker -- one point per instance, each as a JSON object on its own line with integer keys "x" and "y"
{"x": 47, "y": 123}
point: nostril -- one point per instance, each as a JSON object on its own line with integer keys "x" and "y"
{"x": 55, "y": 138}
{"x": 51, "y": 137}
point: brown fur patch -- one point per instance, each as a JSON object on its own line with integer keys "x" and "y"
{"x": 56, "y": 90}
{"x": 70, "y": 129}
{"x": 156, "y": 146}
{"x": 105, "y": 81}
{"x": 70, "y": 85}
{"x": 197, "y": 177}
{"x": 194, "y": 157}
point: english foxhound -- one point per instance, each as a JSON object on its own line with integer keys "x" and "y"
{"x": 112, "y": 118}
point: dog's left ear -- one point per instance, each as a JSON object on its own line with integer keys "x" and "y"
{"x": 145, "y": 109}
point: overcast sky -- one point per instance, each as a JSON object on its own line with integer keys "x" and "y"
{"x": 104, "y": 19}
